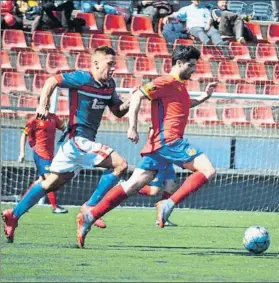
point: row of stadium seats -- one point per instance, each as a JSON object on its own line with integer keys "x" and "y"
{"x": 73, "y": 42}
{"x": 146, "y": 67}
{"x": 233, "y": 115}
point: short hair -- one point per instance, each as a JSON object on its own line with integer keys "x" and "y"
{"x": 185, "y": 53}
{"x": 104, "y": 49}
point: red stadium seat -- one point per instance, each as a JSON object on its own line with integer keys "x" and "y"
{"x": 71, "y": 42}
{"x": 192, "y": 85}
{"x": 166, "y": 66}
{"x": 27, "y": 101}
{"x": 271, "y": 89}
{"x": 6, "y": 102}
{"x": 256, "y": 73}
{"x": 115, "y": 24}
{"x": 246, "y": 88}
{"x": 97, "y": 40}
{"x": 13, "y": 39}
{"x": 211, "y": 52}
{"x": 28, "y": 62}
{"x": 275, "y": 75}
{"x": 130, "y": 82}
{"x": 13, "y": 82}
{"x": 83, "y": 62}
{"x": 90, "y": 21}
{"x": 240, "y": 52}
{"x": 262, "y": 116}
{"x": 156, "y": 47}
{"x": 38, "y": 82}
{"x": 234, "y": 116}
{"x": 203, "y": 72}
{"x": 273, "y": 33}
{"x": 128, "y": 46}
{"x": 5, "y": 61}
{"x": 142, "y": 26}
{"x": 206, "y": 114}
{"x": 266, "y": 53}
{"x": 62, "y": 107}
{"x": 42, "y": 41}
{"x": 145, "y": 67}
{"x": 56, "y": 63}
{"x": 121, "y": 67}
{"x": 228, "y": 72}
{"x": 180, "y": 41}
{"x": 255, "y": 28}
{"x": 221, "y": 87}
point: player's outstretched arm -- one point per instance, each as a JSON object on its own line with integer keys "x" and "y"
{"x": 42, "y": 110}
{"x": 135, "y": 103}
{"x": 207, "y": 94}
{"x": 121, "y": 109}
{"x": 22, "y": 143}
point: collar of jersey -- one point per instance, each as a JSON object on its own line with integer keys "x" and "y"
{"x": 177, "y": 78}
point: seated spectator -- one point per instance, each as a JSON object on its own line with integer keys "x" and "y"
{"x": 199, "y": 23}
{"x": 11, "y": 17}
{"x": 231, "y": 24}
{"x": 48, "y": 20}
{"x": 108, "y": 7}
{"x": 155, "y": 9}
{"x": 173, "y": 30}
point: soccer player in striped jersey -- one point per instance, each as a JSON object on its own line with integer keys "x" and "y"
{"x": 90, "y": 93}
{"x": 41, "y": 138}
{"x": 170, "y": 107}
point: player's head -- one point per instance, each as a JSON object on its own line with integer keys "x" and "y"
{"x": 103, "y": 63}
{"x": 184, "y": 60}
{"x": 223, "y": 5}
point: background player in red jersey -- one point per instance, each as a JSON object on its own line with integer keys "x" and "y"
{"x": 41, "y": 138}
{"x": 170, "y": 107}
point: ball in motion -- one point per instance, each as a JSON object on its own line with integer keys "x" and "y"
{"x": 256, "y": 239}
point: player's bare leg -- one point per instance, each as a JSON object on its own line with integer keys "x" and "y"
{"x": 203, "y": 172}
{"x": 117, "y": 165}
{"x": 112, "y": 199}
{"x": 37, "y": 191}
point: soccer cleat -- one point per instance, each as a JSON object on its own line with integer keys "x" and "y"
{"x": 99, "y": 222}
{"x": 163, "y": 212}
{"x": 168, "y": 223}
{"x": 84, "y": 224}
{"x": 59, "y": 210}
{"x": 10, "y": 223}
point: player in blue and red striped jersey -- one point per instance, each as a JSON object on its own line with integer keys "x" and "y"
{"x": 41, "y": 138}
{"x": 170, "y": 107}
{"x": 90, "y": 93}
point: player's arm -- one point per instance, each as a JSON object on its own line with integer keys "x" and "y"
{"x": 207, "y": 94}
{"x": 22, "y": 143}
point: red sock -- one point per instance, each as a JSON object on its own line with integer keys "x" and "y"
{"x": 52, "y": 199}
{"x": 112, "y": 199}
{"x": 145, "y": 191}
{"x": 165, "y": 195}
{"x": 191, "y": 184}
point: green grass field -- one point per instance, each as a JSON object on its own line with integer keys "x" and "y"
{"x": 207, "y": 246}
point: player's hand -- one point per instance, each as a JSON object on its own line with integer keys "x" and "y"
{"x": 210, "y": 89}
{"x": 41, "y": 112}
{"x": 133, "y": 135}
{"x": 21, "y": 158}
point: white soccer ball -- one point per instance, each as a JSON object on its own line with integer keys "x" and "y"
{"x": 256, "y": 239}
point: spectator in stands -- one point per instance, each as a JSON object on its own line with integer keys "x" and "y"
{"x": 173, "y": 30}
{"x": 199, "y": 23}
{"x": 155, "y": 9}
{"x": 11, "y": 17}
{"x": 48, "y": 19}
{"x": 231, "y": 24}
{"x": 275, "y": 10}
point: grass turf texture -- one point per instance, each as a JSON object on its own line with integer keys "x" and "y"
{"x": 206, "y": 246}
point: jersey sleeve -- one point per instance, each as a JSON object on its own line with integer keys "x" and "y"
{"x": 30, "y": 126}
{"x": 115, "y": 99}
{"x": 157, "y": 88}
{"x": 72, "y": 79}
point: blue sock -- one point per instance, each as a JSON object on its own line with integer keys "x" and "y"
{"x": 107, "y": 181}
{"x": 31, "y": 198}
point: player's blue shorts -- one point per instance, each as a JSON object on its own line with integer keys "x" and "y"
{"x": 178, "y": 153}
{"x": 162, "y": 176}
{"x": 42, "y": 164}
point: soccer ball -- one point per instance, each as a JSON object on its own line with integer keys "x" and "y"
{"x": 256, "y": 239}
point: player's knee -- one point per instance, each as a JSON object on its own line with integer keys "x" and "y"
{"x": 154, "y": 190}
{"x": 121, "y": 167}
{"x": 209, "y": 172}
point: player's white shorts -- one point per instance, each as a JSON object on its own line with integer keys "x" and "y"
{"x": 78, "y": 153}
